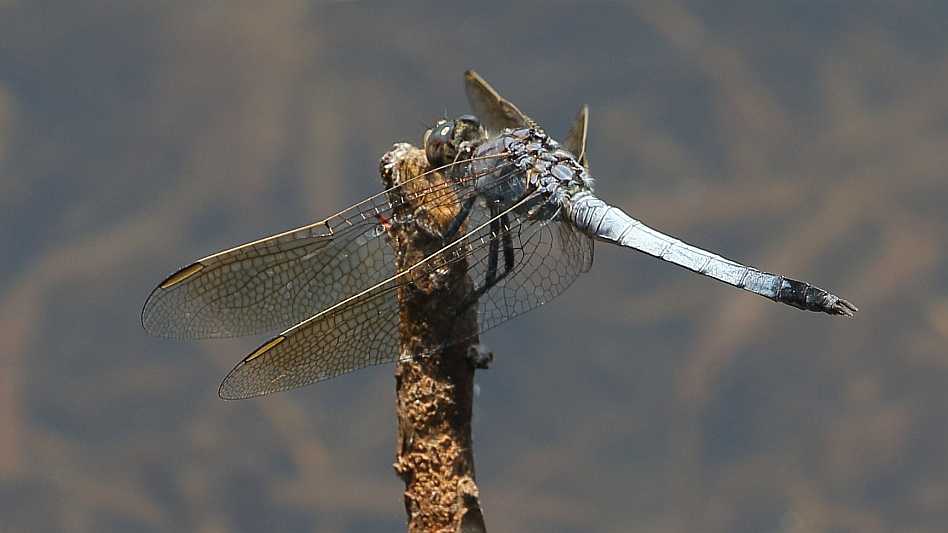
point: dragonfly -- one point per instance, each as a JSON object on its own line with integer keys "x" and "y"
{"x": 523, "y": 216}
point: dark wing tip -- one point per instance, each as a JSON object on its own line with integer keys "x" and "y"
{"x": 175, "y": 279}
{"x": 235, "y": 388}
{"x": 181, "y": 275}
{"x": 231, "y": 389}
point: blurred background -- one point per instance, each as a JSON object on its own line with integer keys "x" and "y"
{"x": 806, "y": 138}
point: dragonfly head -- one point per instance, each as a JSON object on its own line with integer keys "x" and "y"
{"x": 449, "y": 140}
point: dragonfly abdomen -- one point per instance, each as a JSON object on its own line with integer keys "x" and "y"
{"x": 608, "y": 223}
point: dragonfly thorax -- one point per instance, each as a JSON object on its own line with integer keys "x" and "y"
{"x": 525, "y": 160}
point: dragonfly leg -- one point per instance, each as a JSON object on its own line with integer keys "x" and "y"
{"x": 480, "y": 356}
{"x": 462, "y": 215}
{"x": 423, "y": 221}
{"x": 500, "y": 231}
{"x": 508, "y": 244}
{"x": 493, "y": 253}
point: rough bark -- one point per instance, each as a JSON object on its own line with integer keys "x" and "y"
{"x": 434, "y": 386}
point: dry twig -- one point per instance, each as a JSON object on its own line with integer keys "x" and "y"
{"x": 434, "y": 453}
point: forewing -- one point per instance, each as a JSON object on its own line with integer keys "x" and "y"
{"x": 575, "y": 140}
{"x": 494, "y": 111}
{"x": 363, "y": 330}
{"x": 284, "y": 279}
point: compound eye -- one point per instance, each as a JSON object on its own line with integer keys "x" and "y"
{"x": 468, "y": 129}
{"x": 438, "y": 143}
{"x": 470, "y": 120}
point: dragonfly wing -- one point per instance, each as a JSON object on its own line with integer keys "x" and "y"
{"x": 359, "y": 333}
{"x": 267, "y": 284}
{"x": 548, "y": 257}
{"x": 495, "y": 111}
{"x": 281, "y": 280}
{"x": 575, "y": 140}
{"x": 363, "y": 330}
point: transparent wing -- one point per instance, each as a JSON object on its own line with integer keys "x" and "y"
{"x": 495, "y": 111}
{"x": 575, "y": 140}
{"x": 549, "y": 257}
{"x": 363, "y": 330}
{"x": 283, "y": 279}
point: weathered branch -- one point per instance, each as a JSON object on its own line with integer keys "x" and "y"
{"x": 434, "y": 386}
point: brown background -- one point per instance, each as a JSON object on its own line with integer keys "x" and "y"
{"x": 809, "y": 138}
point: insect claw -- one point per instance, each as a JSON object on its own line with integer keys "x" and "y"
{"x": 480, "y": 356}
